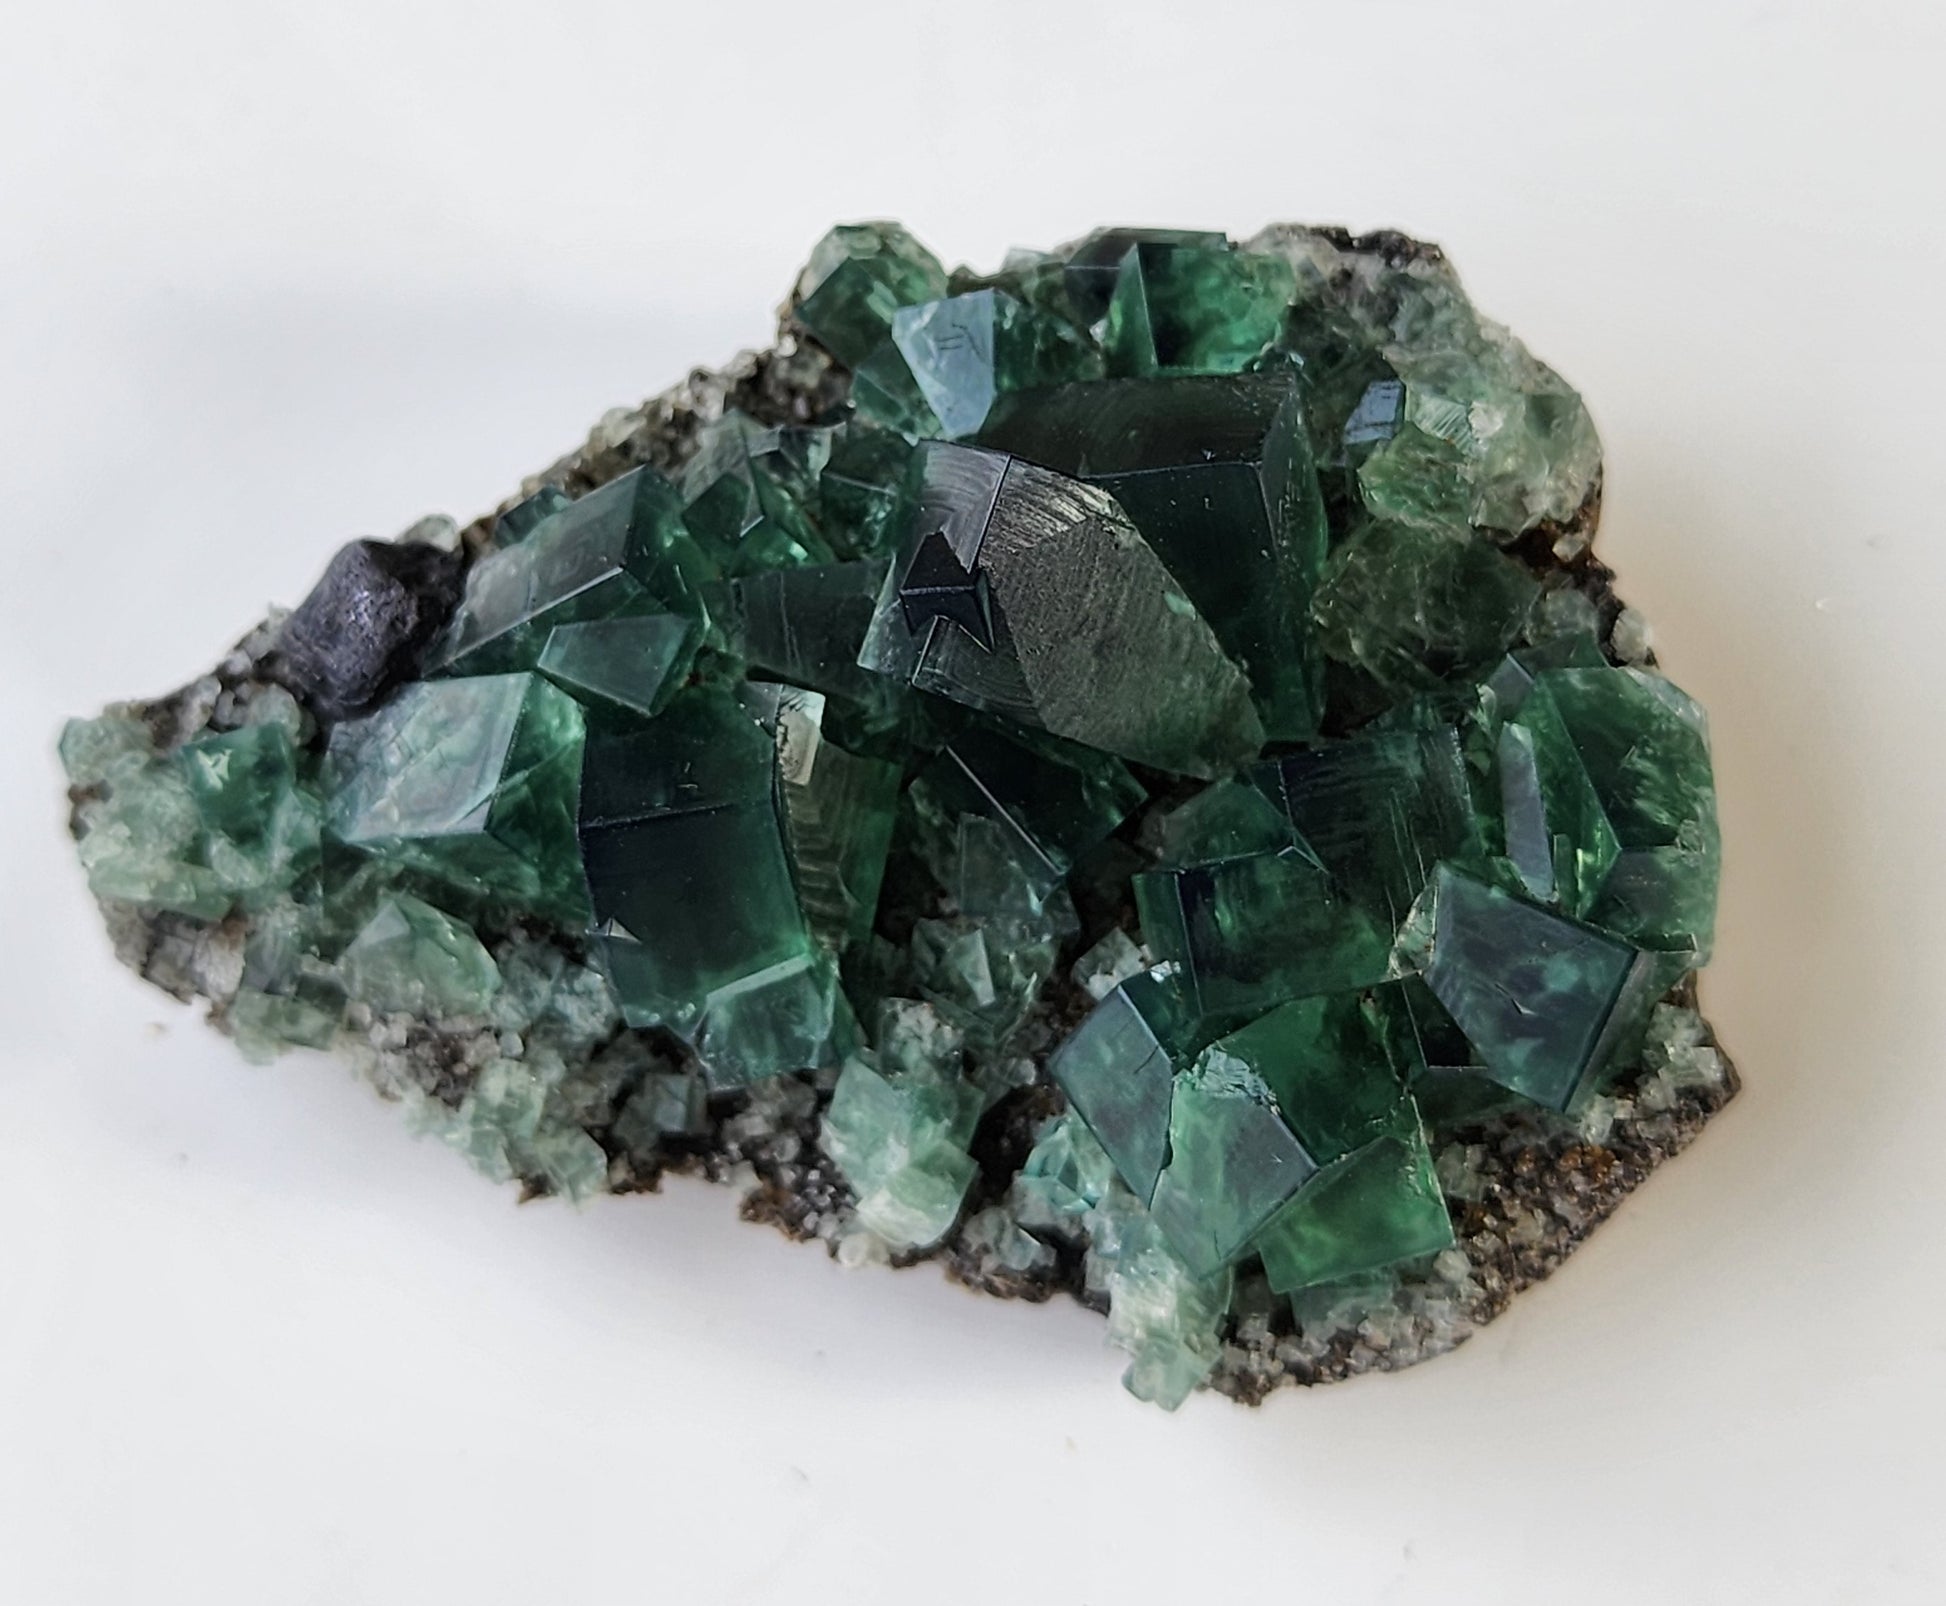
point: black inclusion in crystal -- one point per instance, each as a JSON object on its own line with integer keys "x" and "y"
{"x": 939, "y": 584}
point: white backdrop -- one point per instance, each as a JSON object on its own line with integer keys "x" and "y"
{"x": 275, "y": 275}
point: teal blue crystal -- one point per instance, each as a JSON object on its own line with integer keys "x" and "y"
{"x": 635, "y": 663}
{"x": 528, "y": 515}
{"x": 1118, "y": 1070}
{"x": 966, "y": 351}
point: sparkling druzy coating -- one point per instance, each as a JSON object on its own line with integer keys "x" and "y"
{"x": 1119, "y": 772}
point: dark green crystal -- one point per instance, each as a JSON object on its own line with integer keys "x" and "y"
{"x": 1545, "y": 1002}
{"x": 1217, "y": 475}
{"x": 968, "y": 350}
{"x": 1079, "y": 769}
{"x": 1029, "y": 595}
{"x": 680, "y": 813}
{"x": 1372, "y": 1209}
{"x": 1412, "y": 606}
{"x": 1611, "y": 805}
{"x": 621, "y": 549}
{"x": 1194, "y": 309}
{"x": 859, "y": 275}
{"x": 1047, "y": 802}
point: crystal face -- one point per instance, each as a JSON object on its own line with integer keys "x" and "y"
{"x": 1119, "y": 774}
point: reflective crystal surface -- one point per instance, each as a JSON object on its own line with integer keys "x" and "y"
{"x": 1118, "y": 773}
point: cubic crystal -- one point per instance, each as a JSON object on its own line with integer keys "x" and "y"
{"x": 1030, "y": 595}
{"x": 1115, "y": 773}
{"x": 472, "y": 781}
{"x": 1217, "y": 475}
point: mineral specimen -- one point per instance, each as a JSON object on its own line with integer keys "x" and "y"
{"x": 1120, "y": 775}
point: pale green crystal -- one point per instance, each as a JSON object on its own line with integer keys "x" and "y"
{"x": 411, "y": 958}
{"x": 226, "y": 820}
{"x": 899, "y": 1130}
{"x": 1089, "y": 828}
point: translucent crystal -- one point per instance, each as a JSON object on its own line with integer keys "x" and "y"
{"x": 1412, "y": 606}
{"x": 747, "y": 493}
{"x": 899, "y": 1131}
{"x": 621, "y": 549}
{"x": 1218, "y": 476}
{"x": 413, "y": 958}
{"x": 967, "y": 350}
{"x": 1194, "y": 309}
{"x": 1030, "y": 595}
{"x": 635, "y": 663}
{"x": 1118, "y": 1070}
{"x": 1545, "y": 1002}
{"x": 472, "y": 781}
{"x": 859, "y": 275}
{"x": 1611, "y": 802}
{"x": 1114, "y": 772}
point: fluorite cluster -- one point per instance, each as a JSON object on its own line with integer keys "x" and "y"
{"x": 1119, "y": 774}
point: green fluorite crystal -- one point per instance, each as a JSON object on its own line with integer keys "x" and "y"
{"x": 473, "y": 781}
{"x": 747, "y": 494}
{"x": 1030, "y": 595}
{"x": 1194, "y": 308}
{"x": 226, "y": 820}
{"x": 634, "y": 663}
{"x": 622, "y": 549}
{"x": 412, "y": 958}
{"x": 1187, "y": 456}
{"x": 967, "y": 350}
{"x": 858, "y": 277}
{"x": 684, "y": 818}
{"x": 1117, "y": 772}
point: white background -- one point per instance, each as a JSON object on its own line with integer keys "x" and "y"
{"x": 275, "y": 275}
